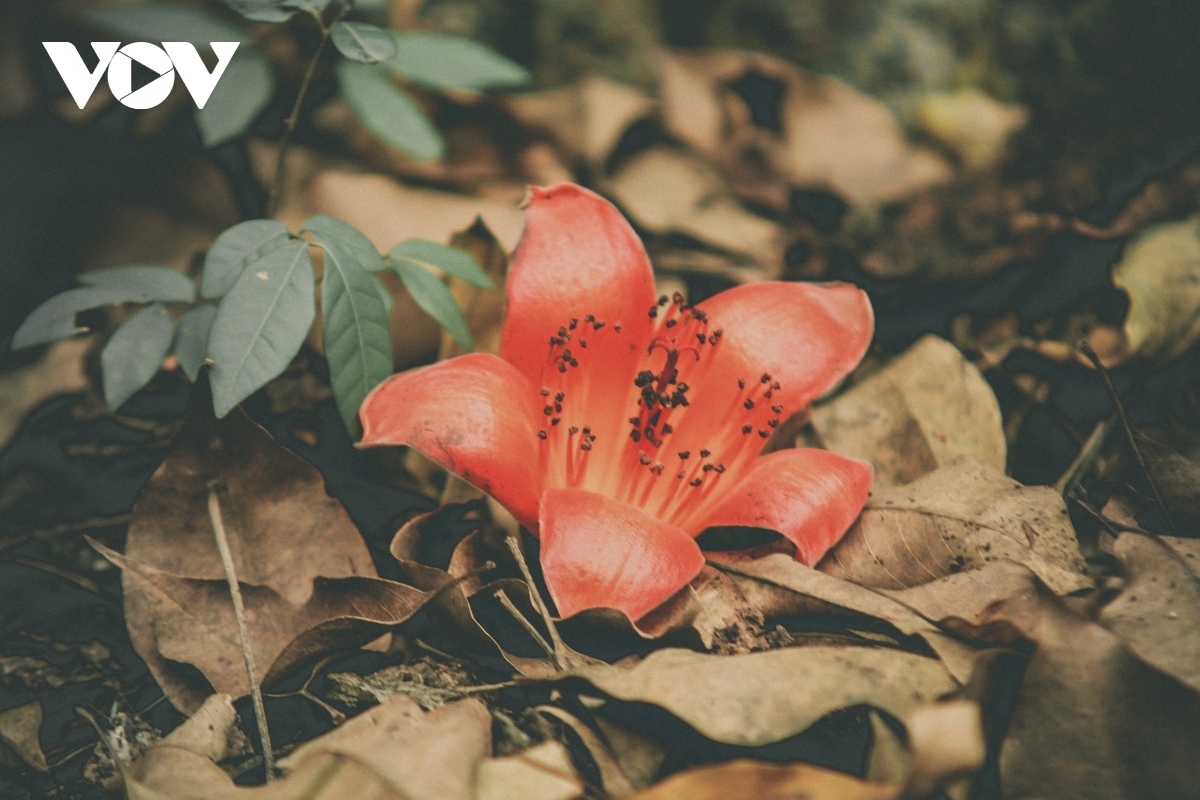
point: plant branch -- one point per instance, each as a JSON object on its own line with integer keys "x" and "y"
{"x": 1087, "y": 350}
{"x": 239, "y": 611}
{"x": 293, "y": 119}
{"x": 511, "y": 608}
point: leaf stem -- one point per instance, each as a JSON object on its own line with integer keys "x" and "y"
{"x": 1087, "y": 350}
{"x": 560, "y": 650}
{"x": 239, "y": 611}
{"x": 293, "y": 119}
{"x": 511, "y": 608}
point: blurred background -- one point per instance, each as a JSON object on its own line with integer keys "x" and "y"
{"x": 1012, "y": 177}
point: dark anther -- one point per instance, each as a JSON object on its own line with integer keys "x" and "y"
{"x": 708, "y": 468}
{"x": 548, "y": 410}
{"x": 586, "y": 430}
{"x": 772, "y": 423}
{"x": 635, "y": 421}
{"x": 681, "y": 475}
{"x": 583, "y": 343}
{"x": 574, "y": 322}
{"x": 666, "y": 429}
{"x": 653, "y": 312}
{"x": 749, "y": 404}
{"x": 765, "y": 378}
{"x": 700, "y": 338}
{"x": 657, "y": 469}
{"x": 768, "y": 394}
{"x": 671, "y": 323}
{"x": 585, "y": 446}
{"x": 558, "y": 396}
{"x": 644, "y": 378}
{"x": 541, "y": 434}
{"x": 597, "y": 325}
{"x": 655, "y": 416}
{"x": 571, "y": 431}
{"x": 741, "y": 384}
{"x": 719, "y": 468}
{"x": 590, "y": 318}
{"x": 695, "y": 482}
{"x": 713, "y": 339}
{"x": 644, "y": 459}
{"x": 775, "y": 385}
{"x": 705, "y": 454}
{"x": 778, "y": 409}
{"x": 683, "y": 387}
{"x": 562, "y": 367}
{"x": 555, "y": 420}
{"x": 662, "y": 301}
{"x": 635, "y": 435}
{"x": 764, "y": 434}
{"x": 574, "y": 362}
{"x": 566, "y": 354}
{"x": 677, "y": 298}
{"x": 617, "y": 328}
{"x": 747, "y": 428}
{"x": 558, "y": 408}
{"x": 685, "y": 454}
{"x": 545, "y": 392}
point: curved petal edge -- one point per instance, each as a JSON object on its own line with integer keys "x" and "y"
{"x": 473, "y": 415}
{"x": 810, "y": 496}
{"x": 601, "y": 553}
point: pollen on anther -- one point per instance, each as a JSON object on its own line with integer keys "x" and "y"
{"x": 585, "y": 446}
{"x": 555, "y": 420}
{"x": 705, "y": 454}
{"x": 541, "y": 434}
{"x": 747, "y": 428}
{"x": 644, "y": 459}
{"x": 695, "y": 482}
{"x": 749, "y": 404}
{"x": 778, "y": 409}
{"x": 571, "y": 431}
{"x": 548, "y": 410}
{"x": 764, "y": 434}
{"x": 685, "y": 454}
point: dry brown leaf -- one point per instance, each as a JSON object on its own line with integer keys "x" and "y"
{"x": 191, "y": 621}
{"x": 483, "y": 308}
{"x": 59, "y": 371}
{"x": 1157, "y": 614}
{"x": 612, "y": 777}
{"x": 669, "y": 191}
{"x": 638, "y": 756}
{"x": 421, "y": 755}
{"x": 284, "y": 531}
{"x": 947, "y": 744}
{"x": 755, "y": 780}
{"x": 832, "y": 135}
{"x": 1092, "y": 721}
{"x": 586, "y": 118}
{"x": 1160, "y": 271}
{"x": 1178, "y": 479}
{"x": 973, "y": 124}
{"x": 920, "y": 412}
{"x": 961, "y": 517}
{"x": 766, "y": 697}
{"x": 20, "y": 732}
{"x": 543, "y": 772}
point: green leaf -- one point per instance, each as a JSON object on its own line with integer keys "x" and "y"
{"x": 163, "y": 282}
{"x": 239, "y": 97}
{"x": 361, "y": 42}
{"x": 450, "y": 260}
{"x": 260, "y": 10}
{"x": 388, "y": 111}
{"x": 261, "y": 324}
{"x": 314, "y": 7}
{"x": 55, "y": 318}
{"x": 191, "y": 338}
{"x": 434, "y": 298}
{"x": 358, "y": 342}
{"x": 135, "y": 353}
{"x": 346, "y": 241}
{"x": 385, "y": 295}
{"x": 154, "y": 22}
{"x": 234, "y": 249}
{"x": 445, "y": 61}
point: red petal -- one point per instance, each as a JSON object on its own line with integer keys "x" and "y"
{"x": 810, "y": 496}
{"x": 579, "y": 257}
{"x": 807, "y": 336}
{"x": 601, "y": 553}
{"x": 475, "y": 415}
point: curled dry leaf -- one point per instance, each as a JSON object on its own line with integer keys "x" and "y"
{"x": 670, "y": 191}
{"x": 1091, "y": 719}
{"x": 1178, "y": 479}
{"x": 738, "y": 699}
{"x": 960, "y": 517}
{"x": 830, "y": 135}
{"x": 1160, "y": 271}
{"x": 752, "y": 780}
{"x": 1157, "y": 614}
{"x": 613, "y": 779}
{"x": 308, "y": 578}
{"x": 920, "y": 412}
{"x": 483, "y": 308}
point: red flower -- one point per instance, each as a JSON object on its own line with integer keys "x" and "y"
{"x": 616, "y": 426}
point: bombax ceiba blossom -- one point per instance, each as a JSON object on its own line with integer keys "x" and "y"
{"x": 617, "y": 426}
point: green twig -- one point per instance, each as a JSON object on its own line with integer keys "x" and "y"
{"x": 293, "y": 119}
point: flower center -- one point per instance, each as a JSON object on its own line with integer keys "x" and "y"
{"x": 661, "y": 457}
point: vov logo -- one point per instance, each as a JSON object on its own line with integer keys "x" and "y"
{"x": 172, "y": 57}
